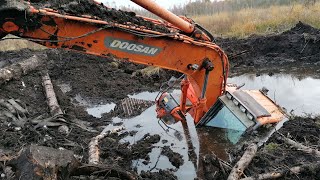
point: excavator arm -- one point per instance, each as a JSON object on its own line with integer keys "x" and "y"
{"x": 174, "y": 44}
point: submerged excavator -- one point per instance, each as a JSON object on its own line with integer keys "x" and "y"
{"x": 175, "y": 43}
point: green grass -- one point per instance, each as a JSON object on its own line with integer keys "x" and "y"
{"x": 249, "y": 21}
{"x": 272, "y": 146}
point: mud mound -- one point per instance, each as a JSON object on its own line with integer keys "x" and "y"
{"x": 101, "y": 79}
{"x": 175, "y": 158}
{"x": 88, "y": 7}
{"x": 122, "y": 154}
{"x": 303, "y": 129}
{"x": 296, "y": 48}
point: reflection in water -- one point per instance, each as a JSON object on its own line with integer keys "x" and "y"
{"x": 147, "y": 123}
{"x": 96, "y": 110}
{"x": 300, "y": 95}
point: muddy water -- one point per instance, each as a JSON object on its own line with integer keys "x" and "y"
{"x": 147, "y": 123}
{"x": 96, "y": 110}
{"x": 297, "y": 95}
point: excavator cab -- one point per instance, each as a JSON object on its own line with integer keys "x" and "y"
{"x": 242, "y": 111}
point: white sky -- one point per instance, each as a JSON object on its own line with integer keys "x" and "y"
{"x": 165, "y": 3}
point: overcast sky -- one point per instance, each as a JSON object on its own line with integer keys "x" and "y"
{"x": 165, "y": 3}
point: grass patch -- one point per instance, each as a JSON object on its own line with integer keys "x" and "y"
{"x": 269, "y": 20}
{"x": 150, "y": 71}
{"x": 272, "y": 146}
{"x": 17, "y": 44}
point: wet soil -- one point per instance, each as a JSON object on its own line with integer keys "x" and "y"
{"x": 122, "y": 154}
{"x": 98, "y": 79}
{"x": 295, "y": 50}
{"x": 276, "y": 155}
{"x": 175, "y": 158}
{"x": 89, "y": 7}
{"x": 104, "y": 80}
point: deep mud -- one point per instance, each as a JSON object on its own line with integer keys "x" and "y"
{"x": 105, "y": 80}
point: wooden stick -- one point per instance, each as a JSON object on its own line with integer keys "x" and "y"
{"x": 16, "y": 70}
{"x": 300, "y": 146}
{"x": 274, "y": 175}
{"x": 243, "y": 163}
{"x": 94, "y": 151}
{"x": 51, "y": 96}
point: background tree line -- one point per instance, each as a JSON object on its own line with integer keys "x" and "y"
{"x": 207, "y": 7}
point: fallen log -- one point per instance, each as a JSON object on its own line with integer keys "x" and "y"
{"x": 278, "y": 174}
{"x": 299, "y": 146}
{"x": 54, "y": 107}
{"x": 243, "y": 163}
{"x": 94, "y": 151}
{"x": 16, "y": 70}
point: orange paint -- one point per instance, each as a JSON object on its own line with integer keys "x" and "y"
{"x": 10, "y": 27}
{"x": 166, "y": 15}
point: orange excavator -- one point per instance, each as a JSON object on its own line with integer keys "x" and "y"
{"x": 175, "y": 43}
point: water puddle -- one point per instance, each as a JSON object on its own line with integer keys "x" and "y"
{"x": 299, "y": 95}
{"x": 147, "y": 123}
{"x": 96, "y": 110}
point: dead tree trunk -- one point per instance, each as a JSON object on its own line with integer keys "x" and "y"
{"x": 279, "y": 174}
{"x": 51, "y": 96}
{"x": 94, "y": 151}
{"x": 19, "y": 69}
{"x": 244, "y": 161}
{"x": 300, "y": 146}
